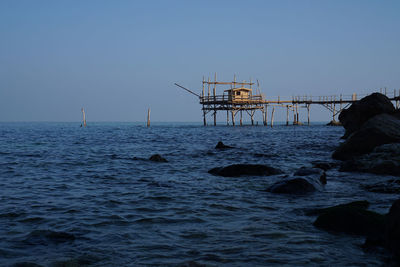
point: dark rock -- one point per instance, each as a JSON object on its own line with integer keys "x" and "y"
{"x": 221, "y": 145}
{"x": 351, "y": 219}
{"x": 334, "y": 123}
{"x": 384, "y": 159}
{"x": 392, "y": 233}
{"x": 292, "y": 186}
{"x": 359, "y": 112}
{"x": 236, "y": 170}
{"x": 157, "y": 158}
{"x": 361, "y": 204}
{"x": 380, "y": 129}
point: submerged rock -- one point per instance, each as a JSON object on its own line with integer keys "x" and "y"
{"x": 236, "y": 170}
{"x": 297, "y": 186}
{"x": 157, "y": 158}
{"x": 359, "y": 112}
{"x": 221, "y": 145}
{"x": 352, "y": 218}
{"x": 360, "y": 204}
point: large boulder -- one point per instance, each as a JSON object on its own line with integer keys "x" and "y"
{"x": 359, "y": 112}
{"x": 380, "y": 129}
{"x": 352, "y": 218}
{"x": 236, "y": 170}
{"x": 392, "y": 233}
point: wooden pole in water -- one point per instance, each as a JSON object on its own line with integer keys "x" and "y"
{"x": 266, "y": 115}
{"x": 233, "y": 117}
{"x": 241, "y": 117}
{"x": 272, "y": 117}
{"x": 215, "y": 99}
{"x": 203, "y": 98}
{"x": 308, "y": 111}
{"x": 287, "y": 115}
{"x": 227, "y": 117}
{"x": 84, "y": 117}
{"x": 148, "y": 117}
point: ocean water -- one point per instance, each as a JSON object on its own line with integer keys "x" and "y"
{"x": 89, "y": 196}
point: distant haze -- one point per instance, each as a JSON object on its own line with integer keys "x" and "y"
{"x": 119, "y": 58}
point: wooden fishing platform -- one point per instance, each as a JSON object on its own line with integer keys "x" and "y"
{"x": 238, "y": 97}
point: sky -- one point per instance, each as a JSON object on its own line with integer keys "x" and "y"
{"x": 119, "y": 58}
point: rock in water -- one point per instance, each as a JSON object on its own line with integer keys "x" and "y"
{"x": 380, "y": 129}
{"x": 384, "y": 159}
{"x": 221, "y": 145}
{"x": 299, "y": 186}
{"x": 351, "y": 219}
{"x": 236, "y": 170}
{"x": 157, "y": 158}
{"x": 359, "y": 112}
{"x": 392, "y": 233}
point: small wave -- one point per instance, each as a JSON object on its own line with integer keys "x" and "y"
{"x": 31, "y": 220}
{"x": 44, "y": 237}
{"x": 11, "y": 215}
{"x": 194, "y": 235}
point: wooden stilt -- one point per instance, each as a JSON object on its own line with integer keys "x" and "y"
{"x": 308, "y": 114}
{"x": 215, "y": 99}
{"x": 84, "y": 117}
{"x": 227, "y": 117}
{"x": 148, "y": 117}
{"x": 287, "y": 115}
{"x": 233, "y": 117}
{"x": 272, "y": 117}
{"x": 241, "y": 118}
{"x": 266, "y": 115}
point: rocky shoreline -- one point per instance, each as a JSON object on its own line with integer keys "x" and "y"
{"x": 372, "y": 145}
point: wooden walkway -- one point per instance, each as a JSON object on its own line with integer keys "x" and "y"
{"x": 239, "y": 98}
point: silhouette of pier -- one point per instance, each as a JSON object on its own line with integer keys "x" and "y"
{"x": 238, "y": 98}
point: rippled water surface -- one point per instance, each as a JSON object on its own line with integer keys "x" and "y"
{"x": 89, "y": 196}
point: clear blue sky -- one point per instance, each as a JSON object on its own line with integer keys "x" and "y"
{"x": 117, "y": 58}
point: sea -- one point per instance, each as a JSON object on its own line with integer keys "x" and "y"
{"x": 90, "y": 196}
